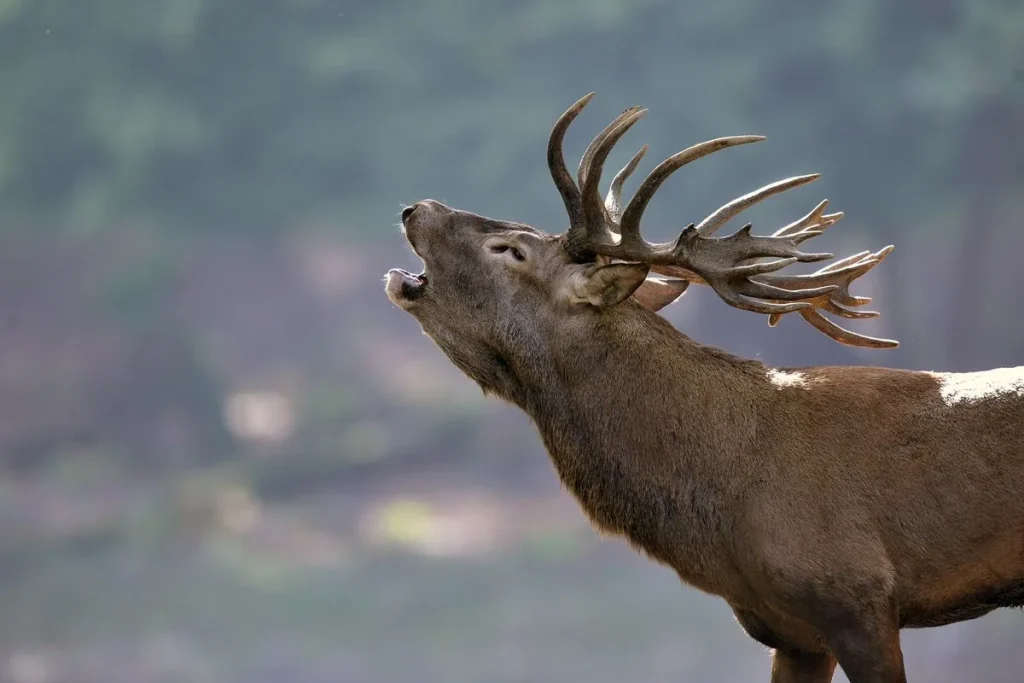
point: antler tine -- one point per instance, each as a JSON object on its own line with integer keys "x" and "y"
{"x": 710, "y": 225}
{"x": 556, "y": 162}
{"x": 841, "y": 277}
{"x": 817, "y": 219}
{"x": 593, "y": 207}
{"x": 613, "y": 202}
{"x": 841, "y": 274}
{"x": 588, "y": 155}
{"x": 596, "y": 232}
{"x": 844, "y": 336}
{"x": 835, "y": 309}
{"x": 630, "y": 223}
{"x": 811, "y": 225}
{"x": 843, "y": 295}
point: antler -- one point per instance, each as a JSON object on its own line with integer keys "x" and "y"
{"x": 733, "y": 266}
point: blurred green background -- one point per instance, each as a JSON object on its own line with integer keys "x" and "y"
{"x": 224, "y": 456}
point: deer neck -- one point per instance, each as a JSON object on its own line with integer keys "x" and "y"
{"x": 633, "y": 368}
{"x": 641, "y": 422}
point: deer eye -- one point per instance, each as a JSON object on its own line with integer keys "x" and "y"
{"x": 503, "y": 248}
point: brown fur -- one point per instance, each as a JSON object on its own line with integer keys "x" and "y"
{"x": 828, "y": 516}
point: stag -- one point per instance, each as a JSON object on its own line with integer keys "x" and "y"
{"x": 830, "y": 507}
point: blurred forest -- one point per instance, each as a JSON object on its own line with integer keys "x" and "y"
{"x": 224, "y": 456}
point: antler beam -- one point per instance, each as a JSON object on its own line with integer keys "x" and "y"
{"x": 733, "y": 266}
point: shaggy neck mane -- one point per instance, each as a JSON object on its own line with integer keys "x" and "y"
{"x": 622, "y": 404}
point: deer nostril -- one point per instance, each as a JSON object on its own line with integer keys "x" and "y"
{"x": 408, "y": 211}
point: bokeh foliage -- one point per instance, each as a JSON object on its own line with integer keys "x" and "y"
{"x": 239, "y": 115}
{"x": 195, "y": 197}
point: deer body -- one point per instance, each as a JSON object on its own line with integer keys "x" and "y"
{"x": 829, "y": 506}
{"x": 798, "y": 463}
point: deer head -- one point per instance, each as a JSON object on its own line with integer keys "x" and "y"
{"x": 489, "y": 285}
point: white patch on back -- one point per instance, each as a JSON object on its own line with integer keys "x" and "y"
{"x": 970, "y": 387}
{"x": 782, "y": 379}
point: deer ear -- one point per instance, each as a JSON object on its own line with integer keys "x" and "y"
{"x": 608, "y": 285}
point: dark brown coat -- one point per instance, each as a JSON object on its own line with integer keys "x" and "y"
{"x": 829, "y": 506}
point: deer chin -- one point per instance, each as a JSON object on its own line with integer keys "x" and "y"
{"x": 403, "y": 287}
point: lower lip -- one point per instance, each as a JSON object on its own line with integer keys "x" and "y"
{"x": 405, "y": 284}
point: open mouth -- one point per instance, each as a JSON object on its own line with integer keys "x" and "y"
{"x": 404, "y": 287}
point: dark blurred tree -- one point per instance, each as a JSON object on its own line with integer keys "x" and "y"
{"x": 242, "y": 115}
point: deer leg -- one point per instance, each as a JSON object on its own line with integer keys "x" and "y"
{"x": 791, "y": 666}
{"x": 867, "y": 645}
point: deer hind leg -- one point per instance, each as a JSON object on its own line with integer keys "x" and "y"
{"x": 791, "y": 666}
